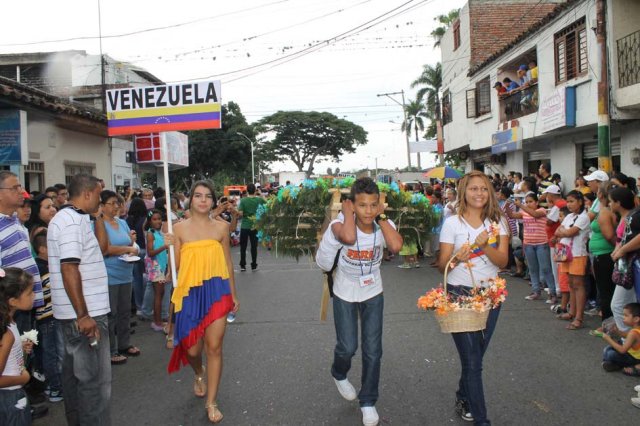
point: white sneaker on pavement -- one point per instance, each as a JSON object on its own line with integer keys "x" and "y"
{"x": 346, "y": 389}
{"x": 370, "y": 416}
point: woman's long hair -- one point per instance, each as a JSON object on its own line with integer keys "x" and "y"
{"x": 13, "y": 284}
{"x": 491, "y": 210}
{"x": 34, "y": 220}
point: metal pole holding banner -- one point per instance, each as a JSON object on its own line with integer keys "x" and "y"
{"x": 167, "y": 195}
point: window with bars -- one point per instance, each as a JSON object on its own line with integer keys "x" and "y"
{"x": 571, "y": 51}
{"x": 447, "y": 115}
{"x": 456, "y": 35}
{"x": 479, "y": 99}
{"x": 72, "y": 169}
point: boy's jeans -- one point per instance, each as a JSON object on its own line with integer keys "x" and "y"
{"x": 345, "y": 316}
{"x": 52, "y": 343}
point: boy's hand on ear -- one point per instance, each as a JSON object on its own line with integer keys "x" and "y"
{"x": 381, "y": 208}
{"x": 347, "y": 207}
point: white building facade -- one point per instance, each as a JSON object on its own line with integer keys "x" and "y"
{"x": 554, "y": 120}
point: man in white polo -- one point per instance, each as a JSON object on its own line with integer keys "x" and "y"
{"x": 80, "y": 297}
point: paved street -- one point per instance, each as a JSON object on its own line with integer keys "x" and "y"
{"x": 277, "y": 358}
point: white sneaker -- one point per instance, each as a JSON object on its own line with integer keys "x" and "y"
{"x": 637, "y": 389}
{"x": 370, "y": 416}
{"x": 635, "y": 402}
{"x": 346, "y": 389}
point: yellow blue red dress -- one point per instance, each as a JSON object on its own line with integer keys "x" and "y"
{"x": 203, "y": 295}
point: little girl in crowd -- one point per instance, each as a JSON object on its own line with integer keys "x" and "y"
{"x": 156, "y": 263}
{"x": 16, "y": 293}
{"x": 627, "y": 355}
{"x": 563, "y": 277}
{"x": 573, "y": 233}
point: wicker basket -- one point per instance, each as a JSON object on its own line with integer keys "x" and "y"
{"x": 462, "y": 320}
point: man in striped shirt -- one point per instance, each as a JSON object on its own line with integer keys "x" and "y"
{"x": 545, "y": 171}
{"x": 80, "y": 297}
{"x": 14, "y": 245}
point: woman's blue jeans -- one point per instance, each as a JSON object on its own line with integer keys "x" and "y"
{"x": 471, "y": 349}
{"x": 345, "y": 317}
{"x": 539, "y": 260}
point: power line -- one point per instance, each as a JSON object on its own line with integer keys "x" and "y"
{"x": 296, "y": 55}
{"x": 147, "y": 30}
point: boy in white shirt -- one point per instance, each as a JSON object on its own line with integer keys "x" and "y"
{"x": 359, "y": 238}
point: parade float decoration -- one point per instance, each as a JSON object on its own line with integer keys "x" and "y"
{"x": 464, "y": 313}
{"x": 293, "y": 221}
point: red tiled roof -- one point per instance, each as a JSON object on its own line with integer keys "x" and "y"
{"x": 497, "y": 26}
{"x": 36, "y": 98}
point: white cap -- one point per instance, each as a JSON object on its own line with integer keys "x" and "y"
{"x": 552, "y": 189}
{"x": 598, "y": 175}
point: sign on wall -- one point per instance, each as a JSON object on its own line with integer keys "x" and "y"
{"x": 506, "y": 141}
{"x": 558, "y": 109}
{"x": 152, "y": 109}
{"x": 13, "y": 137}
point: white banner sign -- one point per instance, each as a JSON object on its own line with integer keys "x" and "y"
{"x": 430, "y": 145}
{"x": 552, "y": 110}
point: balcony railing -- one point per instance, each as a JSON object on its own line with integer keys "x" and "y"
{"x": 519, "y": 103}
{"x": 629, "y": 60}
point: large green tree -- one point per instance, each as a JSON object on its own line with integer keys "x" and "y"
{"x": 219, "y": 154}
{"x": 307, "y": 137}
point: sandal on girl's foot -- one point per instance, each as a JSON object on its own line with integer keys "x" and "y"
{"x": 632, "y": 371}
{"x": 169, "y": 344}
{"x": 199, "y": 386}
{"x": 565, "y": 317}
{"x": 576, "y": 324}
{"x": 214, "y": 414}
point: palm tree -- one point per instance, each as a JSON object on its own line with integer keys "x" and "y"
{"x": 446, "y": 21}
{"x": 430, "y": 82}
{"x": 414, "y": 111}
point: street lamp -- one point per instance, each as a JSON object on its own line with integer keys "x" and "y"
{"x": 253, "y": 170}
{"x": 404, "y": 112}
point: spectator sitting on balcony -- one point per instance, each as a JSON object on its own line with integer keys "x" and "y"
{"x": 500, "y": 88}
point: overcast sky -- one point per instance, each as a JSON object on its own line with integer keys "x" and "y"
{"x": 257, "y": 49}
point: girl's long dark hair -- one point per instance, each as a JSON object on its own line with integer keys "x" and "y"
{"x": 578, "y": 196}
{"x": 34, "y": 220}
{"x": 13, "y": 284}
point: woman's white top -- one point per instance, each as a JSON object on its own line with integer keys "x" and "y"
{"x": 457, "y": 231}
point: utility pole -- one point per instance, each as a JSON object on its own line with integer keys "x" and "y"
{"x": 404, "y": 114}
{"x": 604, "y": 136}
{"x": 253, "y": 170}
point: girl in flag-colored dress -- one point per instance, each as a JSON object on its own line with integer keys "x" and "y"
{"x": 205, "y": 294}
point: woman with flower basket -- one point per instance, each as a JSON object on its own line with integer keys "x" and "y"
{"x": 478, "y": 240}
